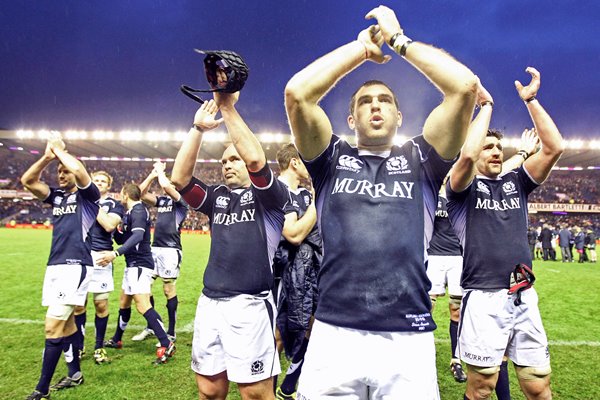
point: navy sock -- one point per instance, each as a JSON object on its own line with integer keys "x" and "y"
{"x": 155, "y": 323}
{"x": 288, "y": 386}
{"x": 80, "y": 335}
{"x": 172, "y": 311}
{"x": 124, "y": 316}
{"x": 152, "y": 304}
{"x": 52, "y": 350}
{"x": 71, "y": 349}
{"x": 453, "y": 337}
{"x": 502, "y": 386}
{"x": 101, "y": 324}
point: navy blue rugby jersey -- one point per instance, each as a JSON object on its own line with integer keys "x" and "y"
{"x": 102, "y": 240}
{"x": 299, "y": 202}
{"x": 137, "y": 219}
{"x": 169, "y": 218}
{"x": 490, "y": 219}
{"x": 375, "y": 215}
{"x": 73, "y": 214}
{"x": 246, "y": 226}
{"x": 444, "y": 241}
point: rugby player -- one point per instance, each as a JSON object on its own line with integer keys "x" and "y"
{"x": 139, "y": 272}
{"x": 109, "y": 217}
{"x": 376, "y": 205}
{"x": 499, "y": 317}
{"x": 444, "y": 266}
{"x": 74, "y": 209}
{"x": 297, "y": 261}
{"x": 235, "y": 317}
{"x": 166, "y": 245}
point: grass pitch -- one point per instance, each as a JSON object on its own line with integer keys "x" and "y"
{"x": 569, "y": 298}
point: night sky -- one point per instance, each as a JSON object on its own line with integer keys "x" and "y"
{"x": 119, "y": 64}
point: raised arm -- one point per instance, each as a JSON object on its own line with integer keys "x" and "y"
{"x": 244, "y": 141}
{"x": 149, "y": 198}
{"x": 446, "y": 127}
{"x": 31, "y": 179}
{"x": 310, "y": 125}
{"x": 528, "y": 147}
{"x": 185, "y": 162}
{"x": 464, "y": 169}
{"x": 164, "y": 182}
{"x": 82, "y": 178}
{"x": 540, "y": 164}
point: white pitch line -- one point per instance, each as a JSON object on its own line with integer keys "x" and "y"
{"x": 189, "y": 328}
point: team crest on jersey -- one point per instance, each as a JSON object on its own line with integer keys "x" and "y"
{"x": 307, "y": 200}
{"x": 349, "y": 163}
{"x": 61, "y": 295}
{"x": 246, "y": 198}
{"x": 482, "y": 187}
{"x": 72, "y": 199}
{"x": 509, "y": 187}
{"x": 57, "y": 201}
{"x": 257, "y": 367}
{"x": 397, "y": 165}
{"x": 222, "y": 202}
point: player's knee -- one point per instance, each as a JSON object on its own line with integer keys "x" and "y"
{"x": 101, "y": 307}
{"x": 486, "y": 371}
{"x": 533, "y": 373}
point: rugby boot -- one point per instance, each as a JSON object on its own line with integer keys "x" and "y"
{"x": 143, "y": 335}
{"x": 458, "y": 373}
{"x": 37, "y": 395}
{"x": 171, "y": 338}
{"x": 68, "y": 382}
{"x": 100, "y": 356}
{"x": 164, "y": 353}
{"x": 112, "y": 344}
{"x": 279, "y": 395}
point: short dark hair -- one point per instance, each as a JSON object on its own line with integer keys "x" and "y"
{"x": 372, "y": 82}
{"x": 285, "y": 155}
{"x": 495, "y": 133}
{"x": 132, "y": 191}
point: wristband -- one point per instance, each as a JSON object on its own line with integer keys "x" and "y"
{"x": 200, "y": 130}
{"x": 399, "y": 43}
{"x": 523, "y": 154}
{"x": 486, "y": 103}
{"x": 529, "y": 100}
{"x": 393, "y": 38}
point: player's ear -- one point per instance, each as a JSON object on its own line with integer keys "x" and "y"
{"x": 351, "y": 123}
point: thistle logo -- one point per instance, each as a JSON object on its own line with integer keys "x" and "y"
{"x": 307, "y": 200}
{"x": 57, "y": 201}
{"x": 61, "y": 295}
{"x": 222, "y": 202}
{"x": 397, "y": 165}
{"x": 349, "y": 163}
{"x": 509, "y": 187}
{"x": 246, "y": 198}
{"x": 104, "y": 285}
{"x": 72, "y": 199}
{"x": 482, "y": 187}
{"x": 257, "y": 367}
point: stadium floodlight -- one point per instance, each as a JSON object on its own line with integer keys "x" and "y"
{"x": 23, "y": 134}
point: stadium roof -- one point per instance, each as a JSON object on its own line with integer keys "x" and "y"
{"x": 152, "y": 145}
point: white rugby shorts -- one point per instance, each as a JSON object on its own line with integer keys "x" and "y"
{"x": 102, "y": 277}
{"x": 491, "y": 325}
{"x": 237, "y": 335}
{"x": 137, "y": 280}
{"x": 167, "y": 261}
{"x": 445, "y": 271}
{"x": 66, "y": 284}
{"x": 344, "y": 363}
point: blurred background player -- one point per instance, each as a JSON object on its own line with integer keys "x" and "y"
{"x": 374, "y": 308}
{"x": 166, "y": 244}
{"x": 297, "y": 260}
{"x": 500, "y": 313}
{"x": 139, "y": 272}
{"x": 74, "y": 210}
{"x": 234, "y": 328}
{"x": 101, "y": 284}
